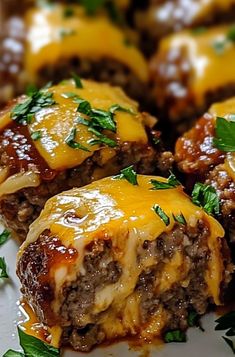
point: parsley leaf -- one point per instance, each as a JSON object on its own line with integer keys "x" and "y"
{"x": 103, "y": 119}
{"x": 70, "y": 141}
{"x": 129, "y": 174}
{"x": 101, "y": 139}
{"x": 77, "y": 80}
{"x": 3, "y": 268}
{"x": 64, "y": 32}
{"x": 23, "y": 112}
{"x": 205, "y": 196}
{"x": 194, "y": 320}
{"x": 227, "y": 322}
{"x": 4, "y": 236}
{"x": 36, "y": 135}
{"x": 175, "y": 336}
{"x": 84, "y": 106}
{"x": 172, "y": 182}
{"x": 33, "y": 347}
{"x": 157, "y": 209}
{"x": 230, "y": 343}
{"x": 231, "y": 34}
{"x": 225, "y": 134}
{"x": 68, "y": 12}
{"x": 117, "y": 107}
{"x": 92, "y": 6}
{"x": 199, "y": 30}
{"x": 179, "y": 218}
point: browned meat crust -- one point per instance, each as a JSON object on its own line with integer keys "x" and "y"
{"x": 20, "y": 209}
{"x": 162, "y": 17}
{"x": 170, "y": 76}
{"x": 82, "y": 330}
{"x": 199, "y": 160}
{"x": 13, "y": 76}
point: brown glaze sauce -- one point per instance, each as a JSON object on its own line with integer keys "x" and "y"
{"x": 195, "y": 152}
{"x": 21, "y": 153}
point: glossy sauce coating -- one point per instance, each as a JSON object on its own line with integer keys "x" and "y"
{"x": 21, "y": 152}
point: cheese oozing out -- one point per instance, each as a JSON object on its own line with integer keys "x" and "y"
{"x": 51, "y": 37}
{"x": 207, "y": 53}
{"x": 117, "y": 210}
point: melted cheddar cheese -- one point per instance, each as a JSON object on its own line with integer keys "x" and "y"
{"x": 51, "y": 37}
{"x": 117, "y": 210}
{"x": 211, "y": 56}
{"x": 55, "y": 123}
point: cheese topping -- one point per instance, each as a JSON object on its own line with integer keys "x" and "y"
{"x": 211, "y": 56}
{"x": 115, "y": 209}
{"x": 51, "y": 37}
{"x": 56, "y": 122}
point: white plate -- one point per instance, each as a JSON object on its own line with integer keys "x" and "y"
{"x": 200, "y": 344}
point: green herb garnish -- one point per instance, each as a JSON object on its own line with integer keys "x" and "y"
{"x": 179, "y": 218}
{"x": 194, "y": 320}
{"x": 77, "y": 80}
{"x": 66, "y": 32}
{"x": 227, "y": 322}
{"x": 219, "y": 46}
{"x": 36, "y": 135}
{"x": 225, "y": 135}
{"x": 205, "y": 196}
{"x": 92, "y": 6}
{"x": 68, "y": 12}
{"x": 23, "y": 113}
{"x": 129, "y": 174}
{"x": 33, "y": 347}
{"x": 4, "y": 236}
{"x": 84, "y": 106}
{"x": 157, "y": 209}
{"x": 101, "y": 139}
{"x": 199, "y": 30}
{"x": 70, "y": 95}
{"x": 103, "y": 119}
{"x": 70, "y": 141}
{"x": 231, "y": 34}
{"x": 172, "y": 182}
{"x": 117, "y": 107}
{"x": 175, "y": 336}
{"x": 3, "y": 268}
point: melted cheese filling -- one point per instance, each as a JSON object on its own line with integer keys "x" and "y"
{"x": 55, "y": 123}
{"x": 212, "y": 67}
{"x": 119, "y": 211}
{"x": 51, "y": 37}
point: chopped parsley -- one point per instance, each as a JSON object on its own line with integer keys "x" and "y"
{"x": 156, "y": 141}
{"x": 194, "y": 320}
{"x": 199, "y": 30}
{"x": 205, "y": 196}
{"x": 227, "y": 322}
{"x": 175, "y": 336}
{"x": 70, "y": 141}
{"x": 220, "y": 44}
{"x": 66, "y": 32}
{"x": 225, "y": 134}
{"x": 77, "y": 80}
{"x": 70, "y": 95}
{"x": 3, "y": 268}
{"x": 36, "y": 135}
{"x": 101, "y": 139}
{"x": 179, "y": 218}
{"x": 129, "y": 174}
{"x": 68, "y": 12}
{"x": 84, "y": 106}
{"x": 103, "y": 119}
{"x": 33, "y": 347}
{"x": 4, "y": 236}
{"x": 172, "y": 182}
{"x": 92, "y": 6}
{"x": 23, "y": 113}
{"x": 117, "y": 107}
{"x": 158, "y": 210}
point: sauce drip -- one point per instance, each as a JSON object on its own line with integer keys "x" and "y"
{"x": 21, "y": 153}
